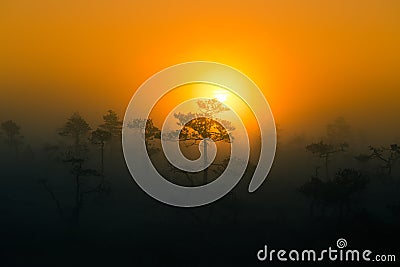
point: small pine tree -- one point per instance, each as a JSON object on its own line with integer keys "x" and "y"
{"x": 13, "y": 135}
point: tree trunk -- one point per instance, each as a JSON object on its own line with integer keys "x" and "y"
{"x": 205, "y": 172}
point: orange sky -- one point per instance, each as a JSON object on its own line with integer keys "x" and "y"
{"x": 314, "y": 60}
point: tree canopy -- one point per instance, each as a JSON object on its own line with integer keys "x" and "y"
{"x": 75, "y": 127}
{"x": 112, "y": 123}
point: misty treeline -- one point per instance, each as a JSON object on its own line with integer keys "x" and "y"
{"x": 334, "y": 173}
{"x": 334, "y": 191}
{"x": 79, "y": 142}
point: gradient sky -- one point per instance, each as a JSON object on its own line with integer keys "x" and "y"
{"x": 314, "y": 60}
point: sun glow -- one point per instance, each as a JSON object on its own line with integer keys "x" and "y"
{"x": 221, "y": 97}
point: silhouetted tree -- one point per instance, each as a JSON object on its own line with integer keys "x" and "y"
{"x": 100, "y": 137}
{"x": 147, "y": 127}
{"x": 203, "y": 126}
{"x": 313, "y": 189}
{"x": 387, "y": 155}
{"x": 325, "y": 151}
{"x": 75, "y": 127}
{"x": 210, "y": 107}
{"x": 346, "y": 183}
{"x": 82, "y": 187}
{"x": 336, "y": 192}
{"x": 112, "y": 124}
{"x": 79, "y": 171}
{"x": 194, "y": 127}
{"x": 76, "y": 156}
{"x": 13, "y": 135}
{"x": 149, "y": 131}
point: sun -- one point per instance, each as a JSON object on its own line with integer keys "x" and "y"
{"x": 221, "y": 97}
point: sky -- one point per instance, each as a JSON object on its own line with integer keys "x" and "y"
{"x": 313, "y": 60}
